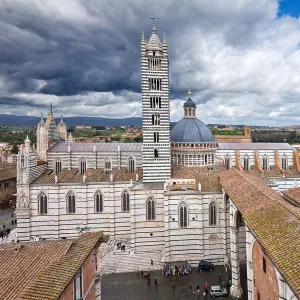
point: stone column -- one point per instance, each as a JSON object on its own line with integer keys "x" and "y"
{"x": 249, "y": 248}
{"x": 236, "y": 289}
{"x": 112, "y": 210}
{"x": 132, "y": 220}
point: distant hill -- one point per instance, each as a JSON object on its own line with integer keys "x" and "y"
{"x": 71, "y": 121}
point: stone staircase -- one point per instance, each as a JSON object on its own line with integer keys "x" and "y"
{"x": 117, "y": 261}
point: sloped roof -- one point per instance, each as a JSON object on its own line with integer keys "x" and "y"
{"x": 255, "y": 146}
{"x": 209, "y": 179}
{"x": 294, "y": 194}
{"x": 273, "y": 221}
{"x": 42, "y": 270}
{"x": 6, "y": 174}
{"x": 99, "y": 147}
{"x": 92, "y": 175}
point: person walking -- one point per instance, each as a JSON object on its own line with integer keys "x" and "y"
{"x": 198, "y": 290}
{"x": 155, "y": 280}
{"x": 173, "y": 285}
{"x": 206, "y": 287}
{"x": 194, "y": 293}
{"x": 151, "y": 262}
{"x": 190, "y": 287}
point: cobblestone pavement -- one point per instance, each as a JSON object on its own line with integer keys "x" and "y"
{"x": 6, "y": 216}
{"x": 129, "y": 286}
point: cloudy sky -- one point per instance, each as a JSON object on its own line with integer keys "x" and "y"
{"x": 240, "y": 58}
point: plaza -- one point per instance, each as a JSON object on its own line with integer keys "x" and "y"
{"x": 133, "y": 287}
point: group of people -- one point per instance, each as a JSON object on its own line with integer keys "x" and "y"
{"x": 197, "y": 290}
{"x": 177, "y": 270}
{"x": 4, "y": 233}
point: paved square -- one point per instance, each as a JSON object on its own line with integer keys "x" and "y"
{"x": 130, "y": 286}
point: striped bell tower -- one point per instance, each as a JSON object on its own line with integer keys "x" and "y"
{"x": 156, "y": 108}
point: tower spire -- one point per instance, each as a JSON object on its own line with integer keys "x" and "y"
{"x": 50, "y": 109}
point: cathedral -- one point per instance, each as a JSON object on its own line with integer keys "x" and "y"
{"x": 166, "y": 194}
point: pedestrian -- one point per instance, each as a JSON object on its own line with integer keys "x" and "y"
{"x": 198, "y": 290}
{"x": 155, "y": 280}
{"x": 190, "y": 287}
{"x": 173, "y": 285}
{"x": 206, "y": 287}
{"x": 151, "y": 262}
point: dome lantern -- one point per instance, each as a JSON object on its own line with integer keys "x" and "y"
{"x": 189, "y": 107}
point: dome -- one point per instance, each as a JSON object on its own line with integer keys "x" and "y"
{"x": 191, "y": 131}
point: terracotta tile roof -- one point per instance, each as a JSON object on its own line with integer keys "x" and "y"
{"x": 294, "y": 194}
{"x": 274, "y": 222}
{"x": 6, "y": 174}
{"x": 208, "y": 179}
{"x": 42, "y": 270}
{"x": 92, "y": 175}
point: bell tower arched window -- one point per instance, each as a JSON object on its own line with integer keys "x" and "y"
{"x": 98, "y": 202}
{"x": 183, "y": 215}
{"x": 125, "y": 201}
{"x": 71, "y": 203}
{"x": 150, "y": 209}
{"x": 43, "y": 205}
{"x": 213, "y": 213}
{"x": 82, "y": 166}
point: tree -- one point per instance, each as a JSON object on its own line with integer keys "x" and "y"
{"x": 15, "y": 149}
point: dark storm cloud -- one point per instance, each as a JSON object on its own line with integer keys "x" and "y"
{"x": 236, "y": 57}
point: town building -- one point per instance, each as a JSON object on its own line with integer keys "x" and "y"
{"x": 246, "y": 138}
{"x": 8, "y": 180}
{"x": 52, "y": 270}
{"x": 167, "y": 194}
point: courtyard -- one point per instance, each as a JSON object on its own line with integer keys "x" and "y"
{"x": 132, "y": 287}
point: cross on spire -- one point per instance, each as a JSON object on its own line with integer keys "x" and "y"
{"x": 153, "y": 17}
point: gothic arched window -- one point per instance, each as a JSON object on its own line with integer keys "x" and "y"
{"x": 246, "y": 162}
{"x": 150, "y": 209}
{"x": 213, "y": 213}
{"x": 57, "y": 166}
{"x": 71, "y": 203}
{"x": 183, "y": 215}
{"x": 107, "y": 165}
{"x": 22, "y": 161}
{"x": 131, "y": 165}
{"x": 98, "y": 202}
{"x": 265, "y": 163}
{"x": 82, "y": 166}
{"x": 43, "y": 205}
{"x": 125, "y": 201}
{"x": 227, "y": 162}
{"x": 284, "y": 162}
